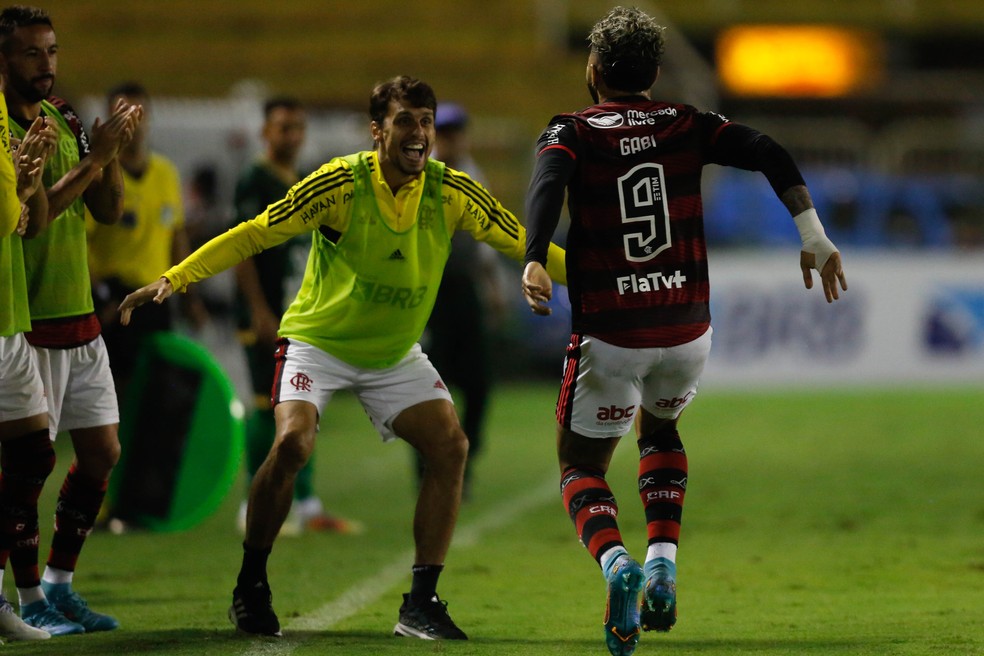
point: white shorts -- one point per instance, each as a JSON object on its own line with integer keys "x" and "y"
{"x": 79, "y": 385}
{"x": 21, "y": 390}
{"x": 307, "y": 373}
{"x": 605, "y": 385}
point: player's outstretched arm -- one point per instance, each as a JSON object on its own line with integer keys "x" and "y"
{"x": 156, "y": 291}
{"x": 537, "y": 288}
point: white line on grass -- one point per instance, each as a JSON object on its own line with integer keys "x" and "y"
{"x": 366, "y": 592}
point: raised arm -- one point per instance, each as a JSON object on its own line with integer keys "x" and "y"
{"x": 741, "y": 146}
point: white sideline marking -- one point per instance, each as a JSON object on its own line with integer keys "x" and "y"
{"x": 353, "y": 600}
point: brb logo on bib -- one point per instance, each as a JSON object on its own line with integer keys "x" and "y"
{"x": 397, "y": 297}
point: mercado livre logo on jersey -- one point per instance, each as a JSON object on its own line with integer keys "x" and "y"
{"x": 607, "y": 120}
{"x": 399, "y": 297}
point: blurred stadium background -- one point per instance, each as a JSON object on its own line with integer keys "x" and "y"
{"x": 880, "y": 101}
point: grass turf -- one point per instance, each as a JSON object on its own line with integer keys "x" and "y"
{"x": 847, "y": 523}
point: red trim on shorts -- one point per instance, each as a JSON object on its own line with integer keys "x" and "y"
{"x": 63, "y": 333}
{"x": 280, "y": 358}
{"x": 565, "y": 402}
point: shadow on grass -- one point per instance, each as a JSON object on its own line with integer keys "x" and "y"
{"x": 175, "y": 642}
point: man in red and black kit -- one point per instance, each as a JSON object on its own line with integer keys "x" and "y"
{"x": 639, "y": 292}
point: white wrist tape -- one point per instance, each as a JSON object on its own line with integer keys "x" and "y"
{"x": 813, "y": 237}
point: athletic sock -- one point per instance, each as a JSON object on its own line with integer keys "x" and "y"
{"x": 25, "y": 463}
{"x": 593, "y": 509}
{"x": 607, "y": 559}
{"x": 78, "y": 506}
{"x": 424, "y": 584}
{"x": 56, "y": 576}
{"x": 254, "y": 569}
{"x": 29, "y": 594}
{"x": 662, "y": 487}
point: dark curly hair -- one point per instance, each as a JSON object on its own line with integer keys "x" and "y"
{"x": 402, "y": 87}
{"x": 629, "y": 45}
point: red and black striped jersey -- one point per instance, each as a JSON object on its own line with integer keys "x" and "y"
{"x": 636, "y": 254}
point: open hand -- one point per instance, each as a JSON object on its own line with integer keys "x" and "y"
{"x": 830, "y": 276}
{"x": 156, "y": 291}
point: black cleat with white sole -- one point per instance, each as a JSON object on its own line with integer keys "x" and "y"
{"x": 427, "y": 620}
{"x": 252, "y": 610}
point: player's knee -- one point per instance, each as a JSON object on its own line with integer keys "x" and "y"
{"x": 292, "y": 450}
{"x": 96, "y": 459}
{"x": 29, "y": 456}
{"x": 447, "y": 450}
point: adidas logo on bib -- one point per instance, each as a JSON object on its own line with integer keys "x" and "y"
{"x": 396, "y": 255}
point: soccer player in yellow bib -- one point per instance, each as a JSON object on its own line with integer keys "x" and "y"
{"x": 27, "y": 451}
{"x": 82, "y": 173}
{"x": 381, "y": 224}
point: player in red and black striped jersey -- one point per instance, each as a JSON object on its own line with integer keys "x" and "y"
{"x": 639, "y": 290}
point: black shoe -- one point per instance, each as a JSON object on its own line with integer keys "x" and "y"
{"x": 427, "y": 620}
{"x": 252, "y": 610}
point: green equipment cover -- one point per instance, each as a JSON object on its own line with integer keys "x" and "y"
{"x": 182, "y": 437}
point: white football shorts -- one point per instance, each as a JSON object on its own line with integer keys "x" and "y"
{"x": 21, "y": 389}
{"x": 307, "y": 373}
{"x": 79, "y": 385}
{"x": 605, "y": 385}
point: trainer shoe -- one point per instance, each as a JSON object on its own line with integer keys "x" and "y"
{"x": 13, "y": 627}
{"x": 43, "y": 615}
{"x": 622, "y": 609}
{"x": 252, "y": 610}
{"x": 313, "y": 517}
{"x": 428, "y": 620}
{"x": 659, "y": 609}
{"x": 75, "y": 608}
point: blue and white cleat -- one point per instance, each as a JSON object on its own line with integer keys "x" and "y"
{"x": 625, "y": 580}
{"x": 75, "y": 608}
{"x": 43, "y": 615}
{"x": 659, "y": 607}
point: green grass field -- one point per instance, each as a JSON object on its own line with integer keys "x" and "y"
{"x": 847, "y": 523}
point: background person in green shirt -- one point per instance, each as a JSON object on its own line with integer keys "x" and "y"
{"x": 267, "y": 282}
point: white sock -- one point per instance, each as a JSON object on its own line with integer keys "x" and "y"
{"x": 29, "y": 595}
{"x": 54, "y": 575}
{"x": 666, "y": 550}
{"x": 609, "y": 556}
